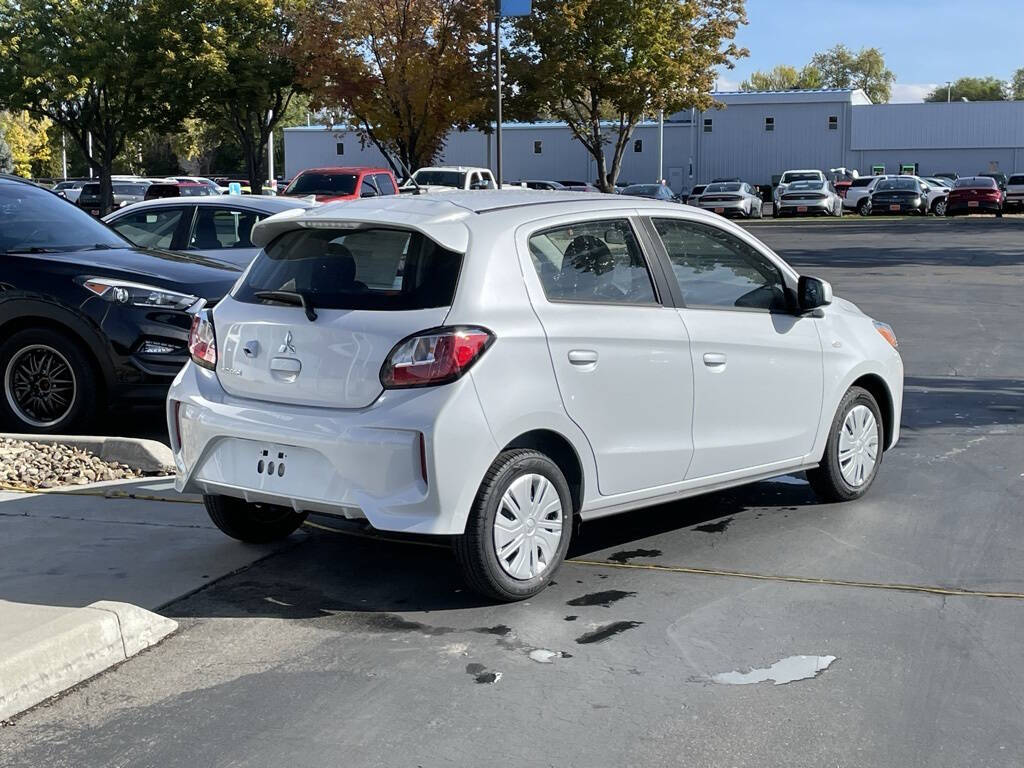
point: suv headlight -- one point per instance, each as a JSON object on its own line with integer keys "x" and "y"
{"x": 138, "y": 294}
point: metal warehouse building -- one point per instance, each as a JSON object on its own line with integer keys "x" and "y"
{"x": 754, "y": 137}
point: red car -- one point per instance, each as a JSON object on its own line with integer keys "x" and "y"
{"x": 975, "y": 194}
{"x": 330, "y": 184}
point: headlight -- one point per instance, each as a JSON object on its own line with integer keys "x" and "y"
{"x": 138, "y": 294}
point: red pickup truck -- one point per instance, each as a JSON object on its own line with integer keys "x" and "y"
{"x": 348, "y": 183}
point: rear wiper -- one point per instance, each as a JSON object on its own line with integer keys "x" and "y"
{"x": 295, "y": 298}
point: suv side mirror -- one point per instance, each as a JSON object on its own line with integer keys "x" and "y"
{"x": 813, "y": 293}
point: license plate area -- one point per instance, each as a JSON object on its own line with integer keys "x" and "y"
{"x": 719, "y": 210}
{"x": 801, "y": 209}
{"x": 286, "y": 470}
{"x": 894, "y": 207}
{"x": 972, "y": 203}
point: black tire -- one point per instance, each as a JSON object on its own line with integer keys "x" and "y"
{"x": 252, "y": 523}
{"x": 999, "y": 214}
{"x": 864, "y": 207}
{"x": 827, "y": 479}
{"x": 73, "y": 378}
{"x": 475, "y": 549}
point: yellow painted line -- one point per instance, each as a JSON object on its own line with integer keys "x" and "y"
{"x": 926, "y": 589}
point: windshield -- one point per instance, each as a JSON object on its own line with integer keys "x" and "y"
{"x": 34, "y": 219}
{"x": 816, "y": 185}
{"x": 643, "y": 190}
{"x": 976, "y": 181}
{"x": 723, "y": 188}
{"x": 130, "y": 189}
{"x": 904, "y": 185}
{"x": 377, "y": 269}
{"x": 323, "y": 184}
{"x": 455, "y": 179}
{"x": 791, "y": 176}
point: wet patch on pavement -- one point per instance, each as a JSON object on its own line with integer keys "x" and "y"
{"x": 608, "y": 631}
{"x": 625, "y": 555}
{"x": 481, "y": 675}
{"x": 787, "y": 670}
{"x": 604, "y": 599}
{"x": 718, "y": 527}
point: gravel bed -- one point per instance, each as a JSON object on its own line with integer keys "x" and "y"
{"x": 48, "y": 465}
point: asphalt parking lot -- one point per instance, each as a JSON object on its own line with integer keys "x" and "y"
{"x": 341, "y": 650}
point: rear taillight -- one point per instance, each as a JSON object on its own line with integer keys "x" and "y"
{"x": 436, "y": 356}
{"x": 202, "y": 342}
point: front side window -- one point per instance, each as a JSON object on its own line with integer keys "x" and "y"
{"x": 152, "y": 228}
{"x": 373, "y": 269}
{"x": 217, "y": 228}
{"x": 594, "y": 261}
{"x": 366, "y": 188}
{"x": 715, "y": 269}
{"x": 385, "y": 184}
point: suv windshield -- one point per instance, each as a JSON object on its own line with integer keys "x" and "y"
{"x": 32, "y": 219}
{"x": 455, "y": 179}
{"x": 377, "y": 269}
{"x": 789, "y": 178}
{"x": 323, "y": 184}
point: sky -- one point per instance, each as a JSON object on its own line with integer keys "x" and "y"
{"x": 924, "y": 43}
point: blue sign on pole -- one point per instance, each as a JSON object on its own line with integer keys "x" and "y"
{"x": 515, "y": 7}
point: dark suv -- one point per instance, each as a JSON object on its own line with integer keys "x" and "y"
{"x": 86, "y": 319}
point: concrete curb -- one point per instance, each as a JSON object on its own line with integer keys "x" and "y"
{"x": 146, "y": 455}
{"x": 48, "y": 649}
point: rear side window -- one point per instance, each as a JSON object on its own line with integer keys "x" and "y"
{"x": 385, "y": 184}
{"x": 154, "y": 228}
{"x": 375, "y": 269}
{"x": 217, "y": 228}
{"x": 596, "y": 261}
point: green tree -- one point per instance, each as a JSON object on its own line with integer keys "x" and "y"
{"x": 972, "y": 89}
{"x": 403, "y": 73}
{"x": 1017, "y": 85}
{"x": 783, "y": 78}
{"x": 28, "y": 142}
{"x": 247, "y": 91}
{"x": 6, "y": 158}
{"x": 582, "y": 60}
{"x": 841, "y": 67}
{"x": 105, "y": 68}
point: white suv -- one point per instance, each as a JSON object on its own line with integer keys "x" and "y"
{"x": 493, "y": 366}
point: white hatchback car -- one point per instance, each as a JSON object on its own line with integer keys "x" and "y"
{"x": 494, "y": 366}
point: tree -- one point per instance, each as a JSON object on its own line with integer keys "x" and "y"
{"x": 105, "y": 68}
{"x": 247, "y": 92}
{"x": 6, "y": 159}
{"x": 972, "y": 89}
{"x": 27, "y": 141}
{"x": 840, "y": 67}
{"x": 403, "y": 73}
{"x": 783, "y": 78}
{"x": 1017, "y": 85}
{"x": 582, "y": 60}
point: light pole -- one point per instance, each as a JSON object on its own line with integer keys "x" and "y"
{"x": 661, "y": 145}
{"x": 503, "y": 8}
{"x": 949, "y": 91}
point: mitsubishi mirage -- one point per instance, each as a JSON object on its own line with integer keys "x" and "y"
{"x": 493, "y": 367}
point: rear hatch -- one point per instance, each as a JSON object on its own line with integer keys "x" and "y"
{"x": 368, "y": 288}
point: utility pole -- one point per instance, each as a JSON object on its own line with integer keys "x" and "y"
{"x": 89, "y": 138}
{"x": 949, "y": 90}
{"x": 64, "y": 154}
{"x": 497, "y": 89}
{"x": 270, "y": 152}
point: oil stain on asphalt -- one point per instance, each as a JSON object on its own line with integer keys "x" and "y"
{"x": 482, "y": 675}
{"x": 606, "y": 632}
{"x": 625, "y": 555}
{"x": 718, "y": 527}
{"x": 604, "y": 599}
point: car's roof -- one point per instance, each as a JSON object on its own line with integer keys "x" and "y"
{"x": 261, "y": 203}
{"x": 448, "y": 217}
{"x": 345, "y": 169}
{"x": 450, "y": 168}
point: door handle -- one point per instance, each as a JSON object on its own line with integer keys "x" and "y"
{"x": 715, "y": 360}
{"x": 582, "y": 356}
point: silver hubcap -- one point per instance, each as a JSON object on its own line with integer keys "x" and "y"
{"x": 940, "y": 209}
{"x": 40, "y": 385}
{"x": 858, "y": 445}
{"x": 528, "y": 527}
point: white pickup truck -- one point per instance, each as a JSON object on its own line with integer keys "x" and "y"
{"x": 449, "y": 177}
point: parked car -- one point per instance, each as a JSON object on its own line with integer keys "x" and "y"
{"x": 539, "y": 184}
{"x": 448, "y": 177}
{"x": 125, "y": 193}
{"x": 217, "y": 188}
{"x": 578, "y": 186}
{"x": 363, "y": 368}
{"x": 815, "y": 197}
{"x": 789, "y": 177}
{"x": 1015, "y": 191}
{"x": 693, "y": 198}
{"x": 219, "y": 226}
{"x": 650, "y": 191}
{"x": 173, "y": 188}
{"x": 87, "y": 319}
{"x": 346, "y": 183}
{"x": 858, "y": 196}
{"x": 731, "y": 199}
{"x": 900, "y": 194}
{"x": 975, "y": 194}
{"x": 936, "y": 193}
{"x": 948, "y": 175}
{"x": 70, "y": 189}
{"x": 999, "y": 177}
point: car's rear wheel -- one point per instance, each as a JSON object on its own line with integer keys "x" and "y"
{"x": 853, "y": 452}
{"x": 49, "y": 384}
{"x": 519, "y": 528}
{"x": 252, "y": 523}
{"x": 939, "y": 208}
{"x": 864, "y": 207}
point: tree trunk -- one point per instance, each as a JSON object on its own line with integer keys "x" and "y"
{"x": 106, "y": 188}
{"x": 255, "y": 167}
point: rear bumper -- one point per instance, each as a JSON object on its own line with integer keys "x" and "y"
{"x": 355, "y": 463}
{"x": 983, "y": 206}
{"x": 787, "y": 208}
{"x": 728, "y": 208}
{"x": 883, "y": 208}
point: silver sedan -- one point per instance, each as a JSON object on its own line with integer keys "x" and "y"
{"x": 810, "y": 198}
{"x": 731, "y": 199}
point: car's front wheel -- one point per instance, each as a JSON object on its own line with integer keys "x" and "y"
{"x": 939, "y": 209}
{"x": 49, "y": 385}
{"x": 853, "y": 452}
{"x": 252, "y": 523}
{"x": 864, "y": 207}
{"x": 519, "y": 527}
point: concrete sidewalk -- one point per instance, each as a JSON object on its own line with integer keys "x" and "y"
{"x": 80, "y": 574}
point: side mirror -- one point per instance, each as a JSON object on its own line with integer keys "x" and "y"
{"x": 813, "y": 293}
{"x": 367, "y": 193}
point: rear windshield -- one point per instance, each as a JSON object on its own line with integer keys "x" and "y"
{"x": 455, "y": 179}
{"x": 723, "y": 188}
{"x": 863, "y": 181}
{"x": 976, "y": 181}
{"x": 1017, "y": 178}
{"x": 815, "y": 184}
{"x": 376, "y": 269}
{"x": 698, "y": 190}
{"x": 788, "y": 178}
{"x": 898, "y": 184}
{"x": 323, "y": 184}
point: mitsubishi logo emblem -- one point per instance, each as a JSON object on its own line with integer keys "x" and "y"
{"x": 287, "y": 347}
